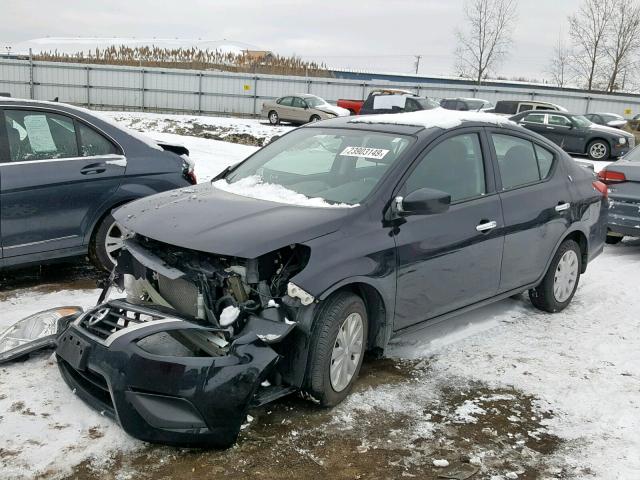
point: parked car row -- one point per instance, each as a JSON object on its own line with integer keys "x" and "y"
{"x": 378, "y": 224}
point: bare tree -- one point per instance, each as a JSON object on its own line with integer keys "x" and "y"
{"x": 623, "y": 42}
{"x": 588, "y": 29}
{"x": 560, "y": 67}
{"x": 486, "y": 40}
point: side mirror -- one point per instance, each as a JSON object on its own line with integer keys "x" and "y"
{"x": 425, "y": 201}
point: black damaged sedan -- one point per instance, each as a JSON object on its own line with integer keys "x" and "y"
{"x": 285, "y": 270}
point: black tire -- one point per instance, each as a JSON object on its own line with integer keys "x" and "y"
{"x": 97, "y": 248}
{"x": 613, "y": 239}
{"x": 543, "y": 297}
{"x": 274, "y": 118}
{"x": 324, "y": 333}
{"x": 314, "y": 118}
{"x": 603, "y": 147}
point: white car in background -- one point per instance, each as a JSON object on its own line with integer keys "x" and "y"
{"x": 301, "y": 108}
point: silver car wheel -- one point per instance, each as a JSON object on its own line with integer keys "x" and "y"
{"x": 566, "y": 276}
{"x": 598, "y": 150}
{"x": 273, "y": 118}
{"x": 346, "y": 353}
{"x": 114, "y": 241}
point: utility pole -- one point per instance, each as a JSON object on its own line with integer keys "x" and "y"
{"x": 418, "y": 57}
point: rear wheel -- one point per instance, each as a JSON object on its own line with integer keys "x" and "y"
{"x": 559, "y": 284}
{"x": 338, "y": 344}
{"x": 274, "y": 118}
{"x": 106, "y": 243}
{"x": 598, "y": 150}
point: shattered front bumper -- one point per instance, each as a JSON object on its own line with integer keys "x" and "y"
{"x": 193, "y": 401}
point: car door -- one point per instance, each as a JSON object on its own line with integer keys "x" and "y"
{"x": 564, "y": 133}
{"x": 536, "y": 204}
{"x": 300, "y": 110}
{"x": 449, "y": 260}
{"x": 536, "y": 122}
{"x": 57, "y": 173}
{"x": 285, "y": 109}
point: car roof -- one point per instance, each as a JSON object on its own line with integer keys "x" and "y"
{"x": 414, "y": 122}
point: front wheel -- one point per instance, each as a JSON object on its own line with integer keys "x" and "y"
{"x": 314, "y": 118}
{"x": 338, "y": 344}
{"x": 598, "y": 150}
{"x": 106, "y": 243}
{"x": 559, "y": 284}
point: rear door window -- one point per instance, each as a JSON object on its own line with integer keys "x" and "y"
{"x": 93, "y": 144}
{"x": 36, "y": 135}
{"x": 520, "y": 161}
{"x": 286, "y": 101}
{"x": 534, "y": 118}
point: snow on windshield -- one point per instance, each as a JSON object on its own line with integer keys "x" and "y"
{"x": 437, "y": 117}
{"x": 254, "y": 187}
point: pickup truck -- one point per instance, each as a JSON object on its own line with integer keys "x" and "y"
{"x": 353, "y": 106}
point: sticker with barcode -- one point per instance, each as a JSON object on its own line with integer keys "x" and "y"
{"x": 376, "y": 153}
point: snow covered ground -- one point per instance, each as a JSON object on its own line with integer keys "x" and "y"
{"x": 498, "y": 384}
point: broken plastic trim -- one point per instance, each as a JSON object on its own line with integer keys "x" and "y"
{"x": 295, "y": 291}
{"x": 33, "y": 333}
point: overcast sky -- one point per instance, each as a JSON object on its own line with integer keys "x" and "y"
{"x": 374, "y": 34}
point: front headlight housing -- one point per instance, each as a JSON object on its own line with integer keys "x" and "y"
{"x": 622, "y": 141}
{"x": 33, "y": 333}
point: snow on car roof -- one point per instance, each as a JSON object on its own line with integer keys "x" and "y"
{"x": 437, "y": 117}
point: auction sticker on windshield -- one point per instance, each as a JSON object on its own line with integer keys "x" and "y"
{"x": 364, "y": 152}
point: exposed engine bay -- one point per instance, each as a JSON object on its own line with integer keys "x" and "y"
{"x": 198, "y": 340}
{"x": 220, "y": 291}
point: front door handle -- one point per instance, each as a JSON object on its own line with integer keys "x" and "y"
{"x": 93, "y": 169}
{"x": 561, "y": 207}
{"x": 486, "y": 225}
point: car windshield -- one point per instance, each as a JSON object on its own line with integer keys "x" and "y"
{"x": 610, "y": 117}
{"x": 426, "y": 103}
{"x": 581, "y": 121}
{"x": 633, "y": 155}
{"x": 314, "y": 101}
{"x": 317, "y": 167}
{"x": 478, "y": 104}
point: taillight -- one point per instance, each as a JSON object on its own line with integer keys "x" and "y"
{"x": 611, "y": 176}
{"x": 602, "y": 188}
{"x": 191, "y": 177}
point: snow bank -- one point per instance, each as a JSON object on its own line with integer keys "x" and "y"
{"x": 254, "y": 187}
{"x": 435, "y": 118}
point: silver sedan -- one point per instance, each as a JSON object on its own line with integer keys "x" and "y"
{"x": 300, "y": 108}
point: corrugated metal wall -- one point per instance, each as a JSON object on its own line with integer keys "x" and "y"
{"x": 207, "y": 92}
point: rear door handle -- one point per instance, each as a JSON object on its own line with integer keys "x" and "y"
{"x": 561, "y": 207}
{"x": 486, "y": 226}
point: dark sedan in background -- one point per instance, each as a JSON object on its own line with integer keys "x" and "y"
{"x": 607, "y": 119}
{"x": 62, "y": 170}
{"x": 577, "y": 134}
{"x": 623, "y": 179}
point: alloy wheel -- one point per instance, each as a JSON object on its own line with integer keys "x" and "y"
{"x": 114, "y": 241}
{"x": 347, "y": 351}
{"x": 598, "y": 150}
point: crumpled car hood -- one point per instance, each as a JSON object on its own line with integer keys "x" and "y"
{"x": 339, "y": 111}
{"x": 208, "y": 219}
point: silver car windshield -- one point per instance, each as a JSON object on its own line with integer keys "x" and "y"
{"x": 339, "y": 166}
{"x": 314, "y": 102}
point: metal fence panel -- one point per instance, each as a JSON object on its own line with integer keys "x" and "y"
{"x": 210, "y": 92}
